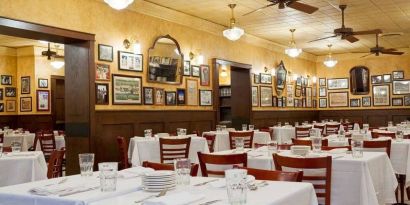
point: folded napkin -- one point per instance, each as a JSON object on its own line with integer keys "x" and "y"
{"x": 181, "y": 198}
{"x": 63, "y": 189}
{"x": 221, "y": 183}
{"x": 134, "y": 172}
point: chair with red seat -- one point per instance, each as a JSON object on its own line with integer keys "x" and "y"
{"x": 308, "y": 142}
{"x": 123, "y": 152}
{"x": 332, "y": 129}
{"x": 55, "y": 164}
{"x": 261, "y": 174}
{"x": 321, "y": 127}
{"x": 247, "y": 135}
{"x": 212, "y": 159}
{"x": 47, "y": 143}
{"x": 376, "y": 145}
{"x": 210, "y": 139}
{"x": 160, "y": 166}
{"x": 302, "y": 132}
{"x": 171, "y": 149}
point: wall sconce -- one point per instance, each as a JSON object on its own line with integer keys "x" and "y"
{"x": 224, "y": 73}
{"x": 314, "y": 79}
{"x": 295, "y": 76}
{"x": 136, "y": 46}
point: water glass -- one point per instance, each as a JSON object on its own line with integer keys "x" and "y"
{"x": 86, "y": 163}
{"x": 148, "y": 133}
{"x": 223, "y": 127}
{"x": 236, "y": 186}
{"x": 399, "y": 136}
{"x": 316, "y": 143}
{"x": 182, "y": 169}
{"x": 390, "y": 124}
{"x": 272, "y": 147}
{"x": 251, "y": 127}
{"x": 341, "y": 135}
{"x": 239, "y": 143}
{"x": 218, "y": 128}
{"x": 108, "y": 176}
{"x": 357, "y": 148}
{"x": 296, "y": 124}
{"x": 279, "y": 124}
{"x": 16, "y": 146}
{"x": 244, "y": 127}
{"x": 286, "y": 123}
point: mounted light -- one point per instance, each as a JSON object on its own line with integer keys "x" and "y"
{"x": 329, "y": 61}
{"x": 233, "y": 33}
{"x": 292, "y": 50}
{"x": 118, "y": 4}
{"x": 57, "y": 63}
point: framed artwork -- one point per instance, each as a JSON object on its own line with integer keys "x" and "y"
{"x": 280, "y": 78}
{"x": 42, "y": 83}
{"x": 339, "y": 99}
{"x": 1, "y": 107}
{"x": 314, "y": 103}
{"x": 337, "y": 84}
{"x": 205, "y": 75}
{"x": 195, "y": 71}
{"x": 180, "y": 96}
{"x": 25, "y": 85}
{"x": 296, "y": 102}
{"x": 170, "y": 98}
{"x": 401, "y": 87}
{"x": 398, "y": 75}
{"x": 289, "y": 95}
{"x": 298, "y": 92}
{"x": 255, "y": 96}
{"x": 366, "y": 101}
{"x": 308, "y": 91}
{"x": 386, "y": 78}
{"x": 407, "y": 100}
{"x": 381, "y": 95}
{"x": 6, "y": 79}
{"x": 192, "y": 91}
{"x": 265, "y": 78}
{"x": 299, "y": 81}
{"x": 101, "y": 94}
{"x": 10, "y": 91}
{"x": 322, "y": 81}
{"x": 304, "y": 102}
{"x": 102, "y": 71}
{"x": 159, "y": 96}
{"x": 266, "y": 96}
{"x": 377, "y": 79}
{"x": 148, "y": 95}
{"x": 397, "y": 101}
{"x": 126, "y": 90}
{"x": 187, "y": 68}
{"x": 305, "y": 82}
{"x": 283, "y": 101}
{"x": 274, "y": 101}
{"x": 354, "y": 102}
{"x": 322, "y": 92}
{"x": 130, "y": 61}
{"x": 205, "y": 97}
{"x": 25, "y": 104}
{"x": 322, "y": 103}
{"x": 256, "y": 79}
{"x": 280, "y": 102}
{"x": 105, "y": 53}
{"x": 314, "y": 91}
{"x": 43, "y": 100}
{"x": 1, "y": 94}
{"x": 10, "y": 106}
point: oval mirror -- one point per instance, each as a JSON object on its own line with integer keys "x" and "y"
{"x": 359, "y": 80}
{"x": 280, "y": 78}
{"x": 165, "y": 61}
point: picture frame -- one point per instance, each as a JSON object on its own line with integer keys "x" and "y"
{"x": 148, "y": 95}
{"x": 387, "y": 78}
{"x": 181, "y": 97}
{"x": 407, "y": 100}
{"x": 170, "y": 98}
{"x": 43, "y": 100}
{"x": 105, "y": 53}
{"x": 265, "y": 78}
{"x": 42, "y": 83}
{"x": 192, "y": 92}
{"x": 322, "y": 92}
{"x": 6, "y": 80}
{"x": 274, "y": 101}
{"x": 354, "y": 102}
{"x": 25, "y": 104}
{"x": 280, "y": 102}
{"x": 308, "y": 92}
{"x": 299, "y": 81}
{"x": 303, "y": 102}
{"x": 1, "y": 93}
{"x": 397, "y": 101}
{"x": 130, "y": 61}
{"x": 381, "y": 95}
{"x": 401, "y": 87}
{"x": 255, "y": 96}
{"x": 296, "y": 103}
{"x": 314, "y": 103}
{"x": 159, "y": 96}
{"x": 25, "y": 85}
{"x": 102, "y": 72}
{"x": 256, "y": 78}
{"x": 204, "y": 75}
{"x": 322, "y": 81}
{"x": 102, "y": 94}
{"x": 377, "y": 79}
{"x": 338, "y": 99}
{"x": 337, "y": 84}
{"x": 1, "y": 107}
{"x": 289, "y": 95}
{"x": 195, "y": 71}
{"x": 10, "y": 106}
{"x": 126, "y": 90}
{"x": 398, "y": 75}
{"x": 366, "y": 101}
{"x": 265, "y": 96}
{"x": 298, "y": 91}
{"x": 10, "y": 91}
{"x": 205, "y": 97}
{"x": 322, "y": 102}
{"x": 284, "y": 99}
{"x": 187, "y": 68}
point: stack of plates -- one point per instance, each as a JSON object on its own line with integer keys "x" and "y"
{"x": 158, "y": 181}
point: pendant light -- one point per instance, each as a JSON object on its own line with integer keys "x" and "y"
{"x": 233, "y": 33}
{"x": 330, "y": 62}
{"x": 292, "y": 50}
{"x": 118, "y": 4}
{"x": 57, "y": 61}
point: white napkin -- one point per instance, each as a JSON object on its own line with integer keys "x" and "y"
{"x": 221, "y": 183}
{"x": 63, "y": 189}
{"x": 134, "y": 172}
{"x": 181, "y": 198}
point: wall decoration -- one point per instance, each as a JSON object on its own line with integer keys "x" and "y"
{"x": 386, "y": 78}
{"x": 205, "y": 97}
{"x": 397, "y": 101}
{"x": 187, "y": 68}
{"x": 130, "y": 61}
{"x": 105, "y": 53}
{"x": 42, "y": 83}
{"x": 280, "y": 102}
{"x": 281, "y": 74}
{"x": 298, "y": 91}
{"x": 25, "y": 85}
{"x": 101, "y": 94}
{"x": 265, "y": 78}
{"x": 359, "y": 80}
{"x": 308, "y": 91}
{"x": 322, "y": 92}
{"x": 102, "y": 72}
{"x": 314, "y": 93}
{"x": 296, "y": 102}
{"x": 381, "y": 95}
{"x": 159, "y": 95}
{"x": 314, "y": 103}
{"x": 148, "y": 95}
{"x": 170, "y": 98}
{"x": 354, "y": 102}
{"x": 407, "y": 100}
{"x": 1, "y": 107}
{"x": 322, "y": 102}
{"x": 377, "y": 79}
{"x": 366, "y": 101}
{"x": 299, "y": 81}
{"x": 322, "y": 81}
{"x": 337, "y": 84}
{"x": 25, "y": 104}
{"x": 10, "y": 91}
{"x": 305, "y": 82}
{"x": 6, "y": 79}
{"x": 401, "y": 87}
{"x": 192, "y": 91}
{"x": 274, "y": 101}
{"x": 304, "y": 102}
{"x": 256, "y": 78}
{"x": 205, "y": 75}
{"x": 289, "y": 95}
{"x": 255, "y": 96}
{"x": 126, "y": 90}
{"x": 166, "y": 60}
{"x": 43, "y": 100}
{"x": 180, "y": 96}
{"x": 1, "y": 94}
{"x": 266, "y": 96}
{"x": 10, "y": 106}
{"x": 398, "y": 75}
{"x": 338, "y": 99}
{"x": 195, "y": 71}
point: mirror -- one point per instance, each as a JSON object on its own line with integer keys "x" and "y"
{"x": 359, "y": 80}
{"x": 280, "y": 78}
{"x": 165, "y": 61}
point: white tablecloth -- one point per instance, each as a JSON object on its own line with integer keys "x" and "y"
{"x": 283, "y": 134}
{"x": 222, "y": 139}
{"x": 27, "y": 141}
{"x": 22, "y": 167}
{"x": 60, "y": 143}
{"x": 142, "y": 149}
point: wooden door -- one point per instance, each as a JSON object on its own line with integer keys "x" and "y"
{"x": 240, "y": 96}
{"x": 58, "y": 102}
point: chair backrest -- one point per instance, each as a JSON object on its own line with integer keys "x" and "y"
{"x": 261, "y": 174}
{"x": 375, "y": 145}
{"x": 247, "y": 135}
{"x": 321, "y": 127}
{"x": 210, "y": 139}
{"x": 171, "y": 149}
{"x": 160, "y": 166}
{"x": 1, "y": 137}
{"x": 284, "y": 146}
{"x": 332, "y": 129}
{"x": 212, "y": 159}
{"x": 302, "y": 132}
{"x": 196, "y": 132}
{"x": 123, "y": 152}
{"x": 55, "y": 164}
{"x": 47, "y": 142}
{"x": 384, "y": 134}
{"x": 7, "y": 149}
{"x": 308, "y": 142}
{"x": 322, "y": 183}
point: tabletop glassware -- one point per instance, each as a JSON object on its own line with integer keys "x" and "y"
{"x": 218, "y": 128}
{"x": 341, "y": 135}
{"x": 148, "y": 133}
{"x": 108, "y": 176}
{"x": 223, "y": 127}
{"x": 399, "y": 136}
{"x": 16, "y": 146}
{"x": 390, "y": 124}
{"x": 86, "y": 161}
{"x": 236, "y": 186}
{"x": 296, "y": 124}
{"x": 182, "y": 169}
{"x": 251, "y": 127}
{"x": 279, "y": 124}
{"x": 244, "y": 127}
{"x": 272, "y": 147}
{"x": 316, "y": 143}
{"x": 357, "y": 148}
{"x": 239, "y": 143}
{"x": 286, "y": 123}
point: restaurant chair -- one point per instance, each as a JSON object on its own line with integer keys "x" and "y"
{"x": 307, "y": 142}
{"x": 1, "y": 137}
{"x": 212, "y": 159}
{"x": 171, "y": 149}
{"x": 261, "y": 174}
{"x": 332, "y": 129}
{"x": 385, "y": 134}
{"x": 377, "y": 145}
{"x": 47, "y": 143}
{"x": 160, "y": 166}
{"x": 321, "y": 127}
{"x": 123, "y": 153}
{"x": 7, "y": 149}
{"x": 301, "y": 132}
{"x": 196, "y": 132}
{"x": 247, "y": 135}
{"x": 284, "y": 146}
{"x": 322, "y": 183}
{"x": 210, "y": 139}
{"x": 55, "y": 164}
{"x": 327, "y": 148}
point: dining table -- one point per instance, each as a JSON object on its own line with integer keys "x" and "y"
{"x": 222, "y": 139}
{"x": 27, "y": 140}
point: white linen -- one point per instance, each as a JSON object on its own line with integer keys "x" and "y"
{"x": 283, "y": 135}
{"x": 181, "y": 198}
{"x": 27, "y": 141}
{"x": 222, "y": 139}
{"x": 60, "y": 143}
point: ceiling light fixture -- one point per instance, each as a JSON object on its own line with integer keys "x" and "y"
{"x": 292, "y": 50}
{"x": 58, "y": 61}
{"x": 118, "y": 4}
{"x": 329, "y": 61}
{"x": 233, "y": 33}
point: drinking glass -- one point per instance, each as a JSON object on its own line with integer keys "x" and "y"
{"x": 16, "y": 146}
{"x": 244, "y": 127}
{"x": 223, "y": 127}
{"x": 182, "y": 169}
{"x": 357, "y": 148}
{"x": 341, "y": 135}
{"x": 279, "y": 124}
{"x": 148, "y": 133}
{"x": 239, "y": 143}
{"x": 272, "y": 147}
{"x": 296, "y": 124}
{"x": 390, "y": 124}
{"x": 251, "y": 127}
{"x": 218, "y": 128}
{"x": 86, "y": 163}
{"x": 316, "y": 143}
{"x": 286, "y": 123}
{"x": 399, "y": 136}
{"x": 108, "y": 176}
{"x": 236, "y": 186}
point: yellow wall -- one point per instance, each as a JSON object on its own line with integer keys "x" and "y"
{"x": 8, "y": 65}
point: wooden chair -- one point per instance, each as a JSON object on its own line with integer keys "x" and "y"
{"x": 302, "y": 132}
{"x": 159, "y": 166}
{"x": 327, "y": 148}
{"x": 232, "y": 159}
{"x": 123, "y": 153}
{"x": 310, "y": 163}
{"x": 261, "y": 174}
{"x": 196, "y": 132}
{"x": 47, "y": 143}
{"x": 171, "y": 149}
{"x": 321, "y": 127}
{"x": 247, "y": 135}
{"x": 378, "y": 144}
{"x": 308, "y": 142}
{"x": 384, "y": 134}
{"x": 332, "y": 129}
{"x": 1, "y": 137}
{"x": 210, "y": 139}
{"x": 7, "y": 149}
{"x": 55, "y": 164}
{"x": 61, "y": 132}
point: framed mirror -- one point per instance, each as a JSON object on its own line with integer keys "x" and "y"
{"x": 281, "y": 73}
{"x": 165, "y": 61}
{"x": 359, "y": 80}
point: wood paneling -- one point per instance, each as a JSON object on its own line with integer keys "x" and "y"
{"x": 30, "y": 122}
{"x": 270, "y": 118}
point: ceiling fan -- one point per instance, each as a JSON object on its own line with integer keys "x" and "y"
{"x": 347, "y": 33}
{"x": 378, "y": 49}
{"x": 294, "y": 4}
{"x": 49, "y": 53}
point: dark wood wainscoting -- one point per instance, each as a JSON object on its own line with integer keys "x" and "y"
{"x": 30, "y": 122}
{"x": 270, "y": 118}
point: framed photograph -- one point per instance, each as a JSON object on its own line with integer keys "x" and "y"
{"x": 397, "y": 101}
{"x": 180, "y": 96}
{"x": 381, "y": 95}
{"x": 256, "y": 79}
{"x": 304, "y": 102}
{"x": 289, "y": 95}
{"x": 205, "y": 97}
{"x": 386, "y": 78}
{"x": 25, "y": 104}
{"x": 322, "y": 103}
{"x": 126, "y": 90}
{"x": 42, "y": 83}
{"x": 299, "y": 81}
{"x": 25, "y": 85}
{"x": 10, "y": 106}
{"x": 322, "y": 81}
{"x": 322, "y": 92}
{"x": 10, "y": 91}
{"x": 192, "y": 91}
{"x": 377, "y": 79}
{"x": 43, "y": 100}
{"x": 308, "y": 91}
{"x": 1, "y": 107}
{"x": 205, "y": 75}
{"x": 314, "y": 103}
{"x": 337, "y": 84}
{"x": 354, "y": 102}
{"x": 366, "y": 101}
{"x": 298, "y": 91}
{"x": 305, "y": 82}
{"x": 398, "y": 75}
{"x": 284, "y": 101}
{"x": 195, "y": 71}
{"x": 101, "y": 94}
{"x": 1, "y": 94}
{"x": 105, "y": 53}
{"x": 280, "y": 102}
{"x": 6, "y": 79}
{"x": 266, "y": 96}
{"x": 159, "y": 96}
{"x": 148, "y": 96}
{"x": 407, "y": 100}
{"x": 255, "y": 96}
{"x": 265, "y": 78}
{"x": 102, "y": 72}
{"x": 401, "y": 87}
{"x": 274, "y": 101}
{"x": 130, "y": 61}
{"x": 170, "y": 98}
{"x": 187, "y": 68}
{"x": 339, "y": 99}
{"x": 296, "y": 102}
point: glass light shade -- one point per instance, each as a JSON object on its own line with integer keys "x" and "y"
{"x": 295, "y": 77}
{"x": 137, "y": 48}
{"x": 233, "y": 33}
{"x": 200, "y": 59}
{"x": 57, "y": 63}
{"x": 330, "y": 62}
{"x": 224, "y": 74}
{"x": 314, "y": 79}
{"x": 293, "y": 52}
{"x": 118, "y": 4}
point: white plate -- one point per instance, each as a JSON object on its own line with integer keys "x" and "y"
{"x": 160, "y": 174}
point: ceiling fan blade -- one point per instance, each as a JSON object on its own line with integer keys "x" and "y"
{"x": 302, "y": 7}
{"x": 389, "y": 50}
{"x": 319, "y": 39}
{"x": 261, "y": 8}
{"x": 367, "y": 55}
{"x": 392, "y": 53}
{"x": 351, "y": 38}
{"x": 375, "y": 31}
